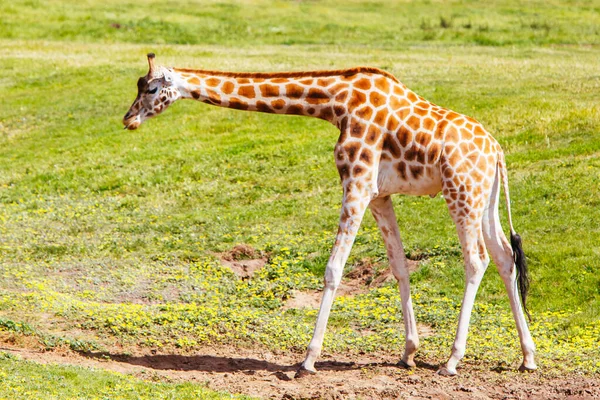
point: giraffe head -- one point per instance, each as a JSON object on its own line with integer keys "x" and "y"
{"x": 156, "y": 92}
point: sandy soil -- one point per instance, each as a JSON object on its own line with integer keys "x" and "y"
{"x": 268, "y": 375}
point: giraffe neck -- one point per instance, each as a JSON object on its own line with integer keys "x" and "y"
{"x": 300, "y": 93}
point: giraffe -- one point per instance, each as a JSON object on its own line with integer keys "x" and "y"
{"x": 391, "y": 141}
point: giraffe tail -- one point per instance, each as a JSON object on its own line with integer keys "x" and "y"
{"x": 515, "y": 240}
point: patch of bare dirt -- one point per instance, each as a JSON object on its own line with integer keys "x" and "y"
{"x": 243, "y": 260}
{"x": 299, "y": 299}
{"x": 360, "y": 279}
{"x": 270, "y": 375}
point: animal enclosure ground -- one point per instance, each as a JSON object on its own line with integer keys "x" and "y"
{"x": 211, "y": 227}
{"x": 263, "y": 374}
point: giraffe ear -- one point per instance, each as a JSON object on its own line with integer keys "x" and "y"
{"x": 151, "y": 63}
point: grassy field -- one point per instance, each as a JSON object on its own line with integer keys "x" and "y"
{"x": 110, "y": 238}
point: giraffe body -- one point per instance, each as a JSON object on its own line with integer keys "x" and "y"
{"x": 391, "y": 141}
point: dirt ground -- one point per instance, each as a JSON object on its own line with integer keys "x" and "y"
{"x": 268, "y": 375}
{"x": 265, "y": 374}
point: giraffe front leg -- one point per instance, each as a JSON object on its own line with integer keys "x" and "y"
{"x": 383, "y": 211}
{"x": 353, "y": 209}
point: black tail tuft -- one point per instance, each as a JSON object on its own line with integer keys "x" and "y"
{"x": 522, "y": 273}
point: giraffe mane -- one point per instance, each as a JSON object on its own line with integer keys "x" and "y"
{"x": 293, "y": 74}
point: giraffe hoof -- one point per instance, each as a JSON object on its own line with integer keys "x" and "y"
{"x": 302, "y": 372}
{"x": 406, "y": 365}
{"x": 524, "y": 368}
{"x": 445, "y": 372}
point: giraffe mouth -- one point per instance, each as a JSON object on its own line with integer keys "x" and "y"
{"x": 132, "y": 123}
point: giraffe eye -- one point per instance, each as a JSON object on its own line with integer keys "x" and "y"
{"x": 153, "y": 90}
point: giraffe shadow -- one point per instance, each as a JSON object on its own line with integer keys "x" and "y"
{"x": 222, "y": 364}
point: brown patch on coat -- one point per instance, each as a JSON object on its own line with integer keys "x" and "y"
{"x": 398, "y": 102}
{"x": 404, "y": 136}
{"x": 416, "y": 171}
{"x": 356, "y": 99}
{"x": 326, "y": 114}
{"x": 433, "y": 154}
{"x": 269, "y": 90}
{"x": 341, "y": 96}
{"x": 247, "y": 91}
{"x": 366, "y": 156}
{"x": 365, "y": 112}
{"x": 380, "y": 117}
{"x": 228, "y": 87}
{"x": 389, "y": 144}
{"x": 294, "y": 91}
{"x": 423, "y": 139}
{"x": 363, "y": 83}
{"x": 214, "y": 82}
{"x": 382, "y": 84}
{"x": 376, "y": 99}
{"x": 428, "y": 123}
{"x": 392, "y": 124}
{"x": 358, "y": 171}
{"x": 421, "y": 112}
{"x": 317, "y": 96}
{"x": 295, "y": 109}
{"x": 324, "y": 82}
{"x": 263, "y": 107}
{"x": 344, "y": 172}
{"x": 401, "y": 167}
{"x": 451, "y": 135}
{"x": 278, "y": 104}
{"x": 358, "y": 130}
{"x": 411, "y": 153}
{"x": 372, "y": 135}
{"x": 236, "y": 103}
{"x": 352, "y": 150}
{"x": 213, "y": 96}
{"x": 414, "y": 122}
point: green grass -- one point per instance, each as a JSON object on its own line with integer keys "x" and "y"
{"x": 127, "y": 225}
{"x": 376, "y": 24}
{"x": 26, "y": 380}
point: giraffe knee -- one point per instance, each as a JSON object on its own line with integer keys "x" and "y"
{"x": 476, "y": 263}
{"x": 400, "y": 271}
{"x": 333, "y": 277}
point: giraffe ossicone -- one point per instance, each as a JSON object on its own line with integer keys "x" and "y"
{"x": 391, "y": 141}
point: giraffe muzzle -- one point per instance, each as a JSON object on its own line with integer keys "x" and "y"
{"x": 132, "y": 123}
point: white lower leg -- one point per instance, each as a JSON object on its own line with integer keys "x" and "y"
{"x": 383, "y": 211}
{"x": 527, "y": 345}
{"x": 460, "y": 342}
{"x": 314, "y": 347}
{"x": 410, "y": 324}
{"x": 333, "y": 276}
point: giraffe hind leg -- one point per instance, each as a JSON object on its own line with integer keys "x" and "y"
{"x": 467, "y": 212}
{"x": 502, "y": 254}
